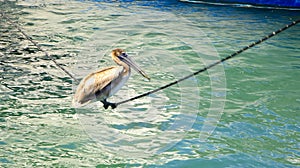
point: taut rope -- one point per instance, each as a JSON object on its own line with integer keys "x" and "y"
{"x": 213, "y": 64}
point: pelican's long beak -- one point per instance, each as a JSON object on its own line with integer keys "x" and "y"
{"x": 125, "y": 58}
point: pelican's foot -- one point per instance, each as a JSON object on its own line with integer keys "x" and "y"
{"x": 107, "y": 104}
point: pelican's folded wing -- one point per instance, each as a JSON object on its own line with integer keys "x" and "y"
{"x": 94, "y": 83}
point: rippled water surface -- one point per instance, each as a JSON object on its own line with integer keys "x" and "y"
{"x": 243, "y": 113}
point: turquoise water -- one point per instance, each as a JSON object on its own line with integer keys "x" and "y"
{"x": 243, "y": 113}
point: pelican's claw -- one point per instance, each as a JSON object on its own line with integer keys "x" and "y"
{"x": 107, "y": 104}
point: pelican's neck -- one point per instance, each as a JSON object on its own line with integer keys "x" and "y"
{"x": 123, "y": 64}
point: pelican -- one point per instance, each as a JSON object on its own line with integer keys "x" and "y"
{"x": 106, "y": 82}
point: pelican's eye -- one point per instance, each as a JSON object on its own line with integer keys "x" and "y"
{"x": 124, "y": 55}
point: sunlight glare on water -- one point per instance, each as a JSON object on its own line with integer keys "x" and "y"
{"x": 155, "y": 124}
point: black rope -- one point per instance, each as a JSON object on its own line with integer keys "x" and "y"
{"x": 213, "y": 64}
{"x": 38, "y": 47}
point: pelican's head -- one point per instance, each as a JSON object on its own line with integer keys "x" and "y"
{"x": 120, "y": 57}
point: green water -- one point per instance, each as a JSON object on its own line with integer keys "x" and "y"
{"x": 243, "y": 113}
